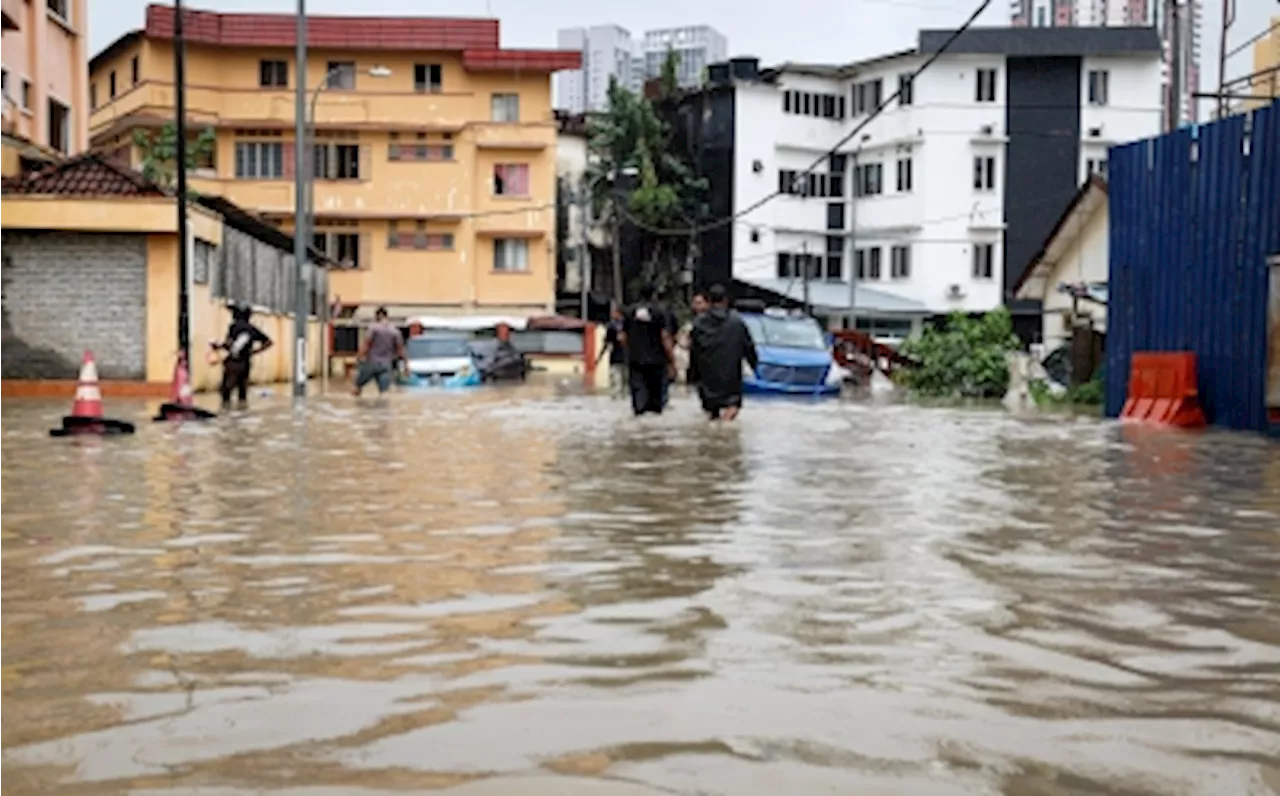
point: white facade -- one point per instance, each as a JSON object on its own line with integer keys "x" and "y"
{"x": 607, "y": 53}
{"x": 950, "y": 230}
{"x": 571, "y": 169}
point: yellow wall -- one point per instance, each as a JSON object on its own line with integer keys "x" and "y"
{"x": 1266, "y": 55}
{"x": 224, "y": 93}
{"x": 50, "y": 55}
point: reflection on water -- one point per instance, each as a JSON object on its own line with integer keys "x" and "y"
{"x": 430, "y": 590}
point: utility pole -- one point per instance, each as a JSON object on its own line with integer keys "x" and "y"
{"x": 584, "y": 247}
{"x": 804, "y": 274}
{"x": 180, "y": 128}
{"x": 853, "y": 246}
{"x": 1228, "y": 19}
{"x": 301, "y": 303}
{"x": 1175, "y": 67}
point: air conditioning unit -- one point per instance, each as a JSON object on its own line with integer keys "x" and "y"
{"x": 1095, "y": 132}
{"x": 955, "y": 292}
{"x": 757, "y": 166}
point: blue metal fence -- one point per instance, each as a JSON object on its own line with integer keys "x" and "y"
{"x": 1194, "y": 215}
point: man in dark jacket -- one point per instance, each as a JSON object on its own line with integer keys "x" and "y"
{"x": 646, "y": 335}
{"x": 720, "y": 343}
{"x": 244, "y": 340}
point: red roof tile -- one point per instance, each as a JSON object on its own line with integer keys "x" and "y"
{"x": 365, "y": 33}
{"x": 84, "y": 176}
{"x": 476, "y": 39}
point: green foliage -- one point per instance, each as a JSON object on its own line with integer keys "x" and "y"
{"x": 965, "y": 357}
{"x": 1090, "y": 393}
{"x": 160, "y": 152}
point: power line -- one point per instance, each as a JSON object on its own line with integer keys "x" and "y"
{"x": 1240, "y": 48}
{"x": 955, "y": 34}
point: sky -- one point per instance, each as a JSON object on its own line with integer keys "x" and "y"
{"x": 795, "y": 30}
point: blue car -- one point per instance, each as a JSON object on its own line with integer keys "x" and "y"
{"x": 795, "y": 358}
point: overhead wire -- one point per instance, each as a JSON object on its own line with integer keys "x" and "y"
{"x": 835, "y": 149}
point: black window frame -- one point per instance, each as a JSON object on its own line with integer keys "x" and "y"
{"x": 900, "y": 261}
{"x": 428, "y": 78}
{"x": 835, "y": 215}
{"x": 273, "y": 73}
{"x": 1099, "y": 87}
{"x": 341, "y": 75}
{"x": 984, "y": 173}
{"x": 985, "y": 85}
{"x": 906, "y": 89}
{"x": 984, "y": 261}
{"x": 905, "y": 175}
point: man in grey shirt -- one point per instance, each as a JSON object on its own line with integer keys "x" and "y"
{"x": 381, "y": 348}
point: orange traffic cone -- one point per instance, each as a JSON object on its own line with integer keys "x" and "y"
{"x": 86, "y": 413}
{"x": 180, "y": 405}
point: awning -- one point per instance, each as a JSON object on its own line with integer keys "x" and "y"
{"x": 832, "y": 298}
{"x": 468, "y": 323}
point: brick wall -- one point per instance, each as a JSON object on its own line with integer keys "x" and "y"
{"x": 67, "y": 292}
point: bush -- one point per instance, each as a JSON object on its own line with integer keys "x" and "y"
{"x": 965, "y": 357}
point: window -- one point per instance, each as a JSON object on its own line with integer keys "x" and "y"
{"x": 506, "y": 107}
{"x": 341, "y": 75}
{"x": 904, "y": 175}
{"x": 900, "y": 262}
{"x": 835, "y": 186}
{"x": 806, "y": 103}
{"x": 93, "y": 93}
{"x": 1098, "y": 167}
{"x": 835, "y": 258}
{"x": 59, "y": 9}
{"x": 873, "y": 263}
{"x": 784, "y": 265}
{"x": 1041, "y": 17}
{"x": 986, "y": 85}
{"x": 26, "y": 95}
{"x": 423, "y": 152}
{"x": 345, "y": 248}
{"x": 906, "y": 89}
{"x": 111, "y": 85}
{"x": 786, "y": 101}
{"x": 835, "y": 215}
{"x": 866, "y": 263}
{"x": 59, "y": 127}
{"x": 840, "y": 107}
{"x": 984, "y": 258}
{"x": 428, "y": 78}
{"x": 868, "y": 179}
{"x": 420, "y": 239}
{"x": 510, "y": 254}
{"x": 984, "y": 173}
{"x": 1098, "y": 85}
{"x": 273, "y": 74}
{"x": 336, "y": 162}
{"x": 511, "y": 179}
{"x": 134, "y": 71}
{"x": 259, "y": 160}
{"x": 877, "y": 94}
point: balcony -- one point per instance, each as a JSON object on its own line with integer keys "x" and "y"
{"x": 274, "y": 108}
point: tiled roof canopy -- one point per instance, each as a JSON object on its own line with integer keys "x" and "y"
{"x": 475, "y": 39}
{"x": 86, "y": 175}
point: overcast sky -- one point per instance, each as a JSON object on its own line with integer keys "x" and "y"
{"x": 773, "y": 30}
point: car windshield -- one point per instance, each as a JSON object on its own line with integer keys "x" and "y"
{"x": 787, "y": 332}
{"x": 437, "y": 347}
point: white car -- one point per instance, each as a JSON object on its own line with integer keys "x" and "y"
{"x": 438, "y": 355}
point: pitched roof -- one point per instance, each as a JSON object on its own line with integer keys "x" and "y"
{"x": 85, "y": 175}
{"x": 1033, "y": 269}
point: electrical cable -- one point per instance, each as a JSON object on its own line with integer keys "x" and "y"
{"x": 727, "y": 220}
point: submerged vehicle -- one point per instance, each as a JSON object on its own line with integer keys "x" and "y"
{"x": 794, "y": 356}
{"x": 435, "y": 356}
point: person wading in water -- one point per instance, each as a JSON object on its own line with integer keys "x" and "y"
{"x": 720, "y": 344}
{"x": 381, "y": 348}
{"x": 650, "y": 345}
{"x": 242, "y": 337}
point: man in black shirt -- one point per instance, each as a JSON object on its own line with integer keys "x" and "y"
{"x": 646, "y": 333}
{"x": 720, "y": 343}
{"x": 617, "y": 354}
{"x": 243, "y": 341}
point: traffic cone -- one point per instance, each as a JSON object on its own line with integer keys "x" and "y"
{"x": 86, "y": 412}
{"x": 180, "y": 405}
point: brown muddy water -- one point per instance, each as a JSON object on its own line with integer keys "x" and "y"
{"x": 528, "y": 592}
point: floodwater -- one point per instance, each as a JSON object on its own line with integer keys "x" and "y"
{"x": 528, "y": 592}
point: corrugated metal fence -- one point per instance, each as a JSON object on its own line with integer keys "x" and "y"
{"x": 1193, "y": 217}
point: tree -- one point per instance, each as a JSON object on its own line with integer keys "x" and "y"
{"x": 160, "y": 152}
{"x": 632, "y": 137}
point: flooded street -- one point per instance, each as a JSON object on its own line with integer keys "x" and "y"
{"x": 436, "y": 592}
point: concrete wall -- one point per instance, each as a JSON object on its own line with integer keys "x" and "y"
{"x": 1085, "y": 260}
{"x": 65, "y": 292}
{"x": 50, "y": 55}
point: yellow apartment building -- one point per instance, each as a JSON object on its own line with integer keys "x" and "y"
{"x": 44, "y": 54}
{"x": 434, "y": 149}
{"x": 1266, "y": 56}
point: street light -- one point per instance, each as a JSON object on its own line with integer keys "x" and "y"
{"x": 584, "y": 199}
{"x": 304, "y": 208}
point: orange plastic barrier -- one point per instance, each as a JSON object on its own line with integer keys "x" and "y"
{"x": 1163, "y": 389}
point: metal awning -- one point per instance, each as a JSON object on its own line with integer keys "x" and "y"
{"x": 832, "y": 298}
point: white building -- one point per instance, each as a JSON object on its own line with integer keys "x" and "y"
{"x": 697, "y": 47}
{"x": 608, "y": 52}
{"x": 939, "y": 203}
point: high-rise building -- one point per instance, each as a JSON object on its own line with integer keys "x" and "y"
{"x": 46, "y": 99}
{"x": 434, "y": 152}
{"x": 609, "y": 52}
{"x": 1177, "y": 20}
